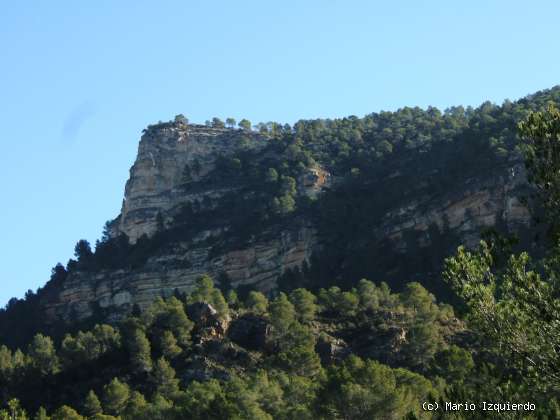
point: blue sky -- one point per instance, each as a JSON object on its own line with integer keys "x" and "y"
{"x": 80, "y": 80}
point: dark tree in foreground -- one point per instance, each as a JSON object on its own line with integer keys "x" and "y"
{"x": 515, "y": 309}
{"x": 541, "y": 147}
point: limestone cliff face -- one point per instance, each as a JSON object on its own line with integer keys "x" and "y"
{"x": 118, "y": 290}
{"x": 156, "y": 177}
{"x": 490, "y": 199}
{"x": 154, "y": 193}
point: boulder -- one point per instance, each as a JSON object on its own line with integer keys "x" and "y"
{"x": 398, "y": 338}
{"x": 207, "y": 320}
{"x": 330, "y": 349}
{"x": 251, "y": 332}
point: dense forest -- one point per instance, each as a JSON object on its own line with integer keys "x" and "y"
{"x": 329, "y": 343}
{"x": 295, "y": 356}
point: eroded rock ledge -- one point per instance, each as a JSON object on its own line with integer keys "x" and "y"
{"x": 155, "y": 192}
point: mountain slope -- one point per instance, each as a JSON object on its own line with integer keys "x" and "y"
{"x": 323, "y": 202}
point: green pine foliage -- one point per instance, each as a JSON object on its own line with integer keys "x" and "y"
{"x": 257, "y": 302}
{"x": 143, "y": 371}
{"x": 92, "y": 405}
{"x": 305, "y": 305}
{"x": 139, "y": 348}
{"x": 206, "y": 292}
{"x": 331, "y": 344}
{"x": 115, "y": 396}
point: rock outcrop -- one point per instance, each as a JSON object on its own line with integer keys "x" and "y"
{"x": 153, "y": 195}
{"x": 487, "y": 200}
{"x": 119, "y": 290}
{"x": 156, "y": 178}
{"x": 251, "y": 332}
{"x": 330, "y": 349}
{"x": 207, "y": 321}
{"x": 155, "y": 192}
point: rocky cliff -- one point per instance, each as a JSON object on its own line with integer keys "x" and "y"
{"x": 172, "y": 157}
{"x": 489, "y": 199}
{"x": 154, "y": 194}
{"x": 158, "y": 174}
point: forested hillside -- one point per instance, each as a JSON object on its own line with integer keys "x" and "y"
{"x": 296, "y": 356}
{"x": 372, "y": 326}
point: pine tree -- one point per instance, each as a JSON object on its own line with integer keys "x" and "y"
{"x": 245, "y": 124}
{"x": 368, "y": 295}
{"x": 41, "y": 414}
{"x": 203, "y": 290}
{"x": 304, "y": 303}
{"x": 271, "y": 175}
{"x": 169, "y": 346}
{"x": 115, "y": 396}
{"x": 282, "y": 313}
{"x": 217, "y": 123}
{"x": 13, "y": 411}
{"x": 159, "y": 405}
{"x": 219, "y": 303}
{"x": 92, "y": 405}
{"x": 257, "y": 302}
{"x": 140, "y": 352}
{"x": 6, "y": 364}
{"x": 18, "y": 359}
{"x": 181, "y": 119}
{"x": 42, "y": 355}
{"x": 82, "y": 251}
{"x": 66, "y": 413}
{"x": 232, "y": 299}
{"x": 206, "y": 292}
{"x": 163, "y": 378}
{"x": 347, "y": 303}
{"x": 541, "y": 147}
{"x": 296, "y": 353}
{"x": 136, "y": 405}
{"x": 360, "y": 389}
{"x": 170, "y": 315}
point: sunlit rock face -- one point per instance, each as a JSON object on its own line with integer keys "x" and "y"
{"x": 117, "y": 291}
{"x": 155, "y": 191}
{"x": 157, "y": 175}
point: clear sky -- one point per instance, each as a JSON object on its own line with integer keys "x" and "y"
{"x": 80, "y": 80}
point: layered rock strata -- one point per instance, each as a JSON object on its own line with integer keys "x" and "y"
{"x": 155, "y": 191}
